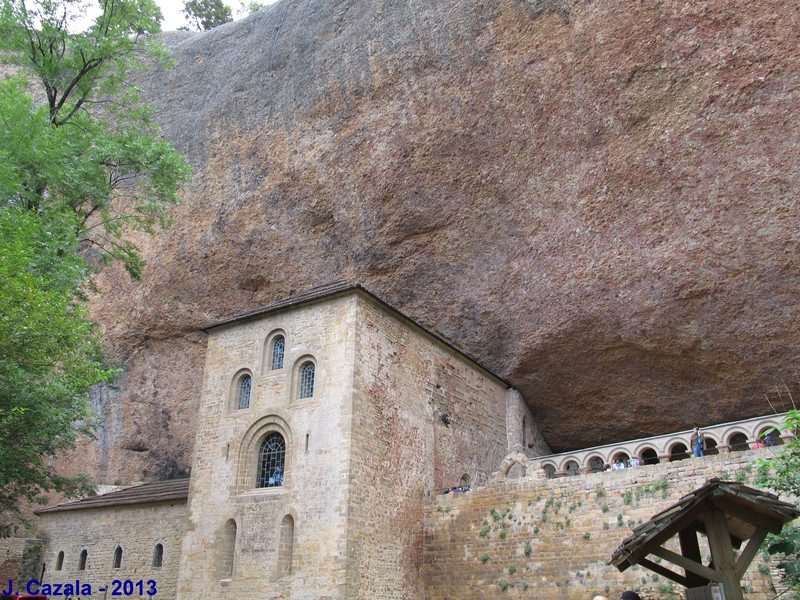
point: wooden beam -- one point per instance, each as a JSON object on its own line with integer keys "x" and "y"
{"x": 748, "y": 516}
{"x": 690, "y": 548}
{"x": 697, "y": 569}
{"x": 749, "y": 552}
{"x": 686, "y": 520}
{"x": 719, "y": 541}
{"x": 655, "y": 568}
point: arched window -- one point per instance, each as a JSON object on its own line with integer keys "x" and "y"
{"x": 271, "y": 458}
{"x": 738, "y": 442}
{"x": 278, "y": 346}
{"x": 307, "y": 380}
{"x": 285, "y": 546}
{"x": 678, "y": 452}
{"x": 243, "y": 392}
{"x": 550, "y": 471}
{"x": 596, "y": 464}
{"x": 227, "y": 546}
{"x": 620, "y": 461}
{"x": 117, "y": 558}
{"x": 82, "y": 560}
{"x": 158, "y": 555}
{"x": 572, "y": 468}
{"x": 650, "y": 456}
{"x": 60, "y": 561}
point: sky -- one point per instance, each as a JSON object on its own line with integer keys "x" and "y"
{"x": 173, "y": 17}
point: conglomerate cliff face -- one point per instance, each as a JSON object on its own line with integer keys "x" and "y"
{"x": 595, "y": 198}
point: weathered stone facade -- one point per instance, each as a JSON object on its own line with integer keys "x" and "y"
{"x": 136, "y": 530}
{"x": 395, "y": 412}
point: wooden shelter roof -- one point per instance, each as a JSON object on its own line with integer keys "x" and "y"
{"x": 746, "y": 510}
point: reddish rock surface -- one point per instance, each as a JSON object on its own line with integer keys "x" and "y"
{"x": 596, "y": 199}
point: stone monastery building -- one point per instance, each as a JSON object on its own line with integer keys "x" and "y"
{"x": 325, "y": 420}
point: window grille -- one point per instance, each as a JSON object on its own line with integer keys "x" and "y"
{"x": 277, "y": 352}
{"x": 307, "y": 380}
{"x": 244, "y": 392}
{"x": 82, "y": 560}
{"x": 271, "y": 461}
{"x": 158, "y": 555}
{"x": 117, "y": 558}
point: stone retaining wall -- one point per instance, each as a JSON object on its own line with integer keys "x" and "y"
{"x": 550, "y": 539}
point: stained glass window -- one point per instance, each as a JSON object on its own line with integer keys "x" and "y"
{"x": 244, "y": 392}
{"x": 271, "y": 459}
{"x": 307, "y": 380}
{"x": 277, "y": 352}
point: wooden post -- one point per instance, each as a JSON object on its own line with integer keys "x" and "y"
{"x": 690, "y": 549}
{"x": 719, "y": 541}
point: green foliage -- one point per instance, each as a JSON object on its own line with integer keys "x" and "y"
{"x": 77, "y": 173}
{"x": 50, "y": 356}
{"x": 600, "y": 491}
{"x": 604, "y": 508}
{"x": 504, "y": 585}
{"x": 495, "y": 514}
{"x": 503, "y": 533}
{"x": 627, "y": 496}
{"x": 485, "y": 558}
{"x": 536, "y": 529}
{"x": 620, "y": 520}
{"x": 606, "y": 525}
{"x": 787, "y": 546}
{"x": 525, "y": 586}
{"x": 743, "y": 474}
{"x": 528, "y": 549}
{"x": 782, "y": 473}
{"x": 248, "y": 8}
{"x": 92, "y": 149}
{"x": 763, "y": 569}
{"x": 587, "y": 535}
{"x": 667, "y": 590}
{"x": 512, "y": 569}
{"x": 207, "y": 14}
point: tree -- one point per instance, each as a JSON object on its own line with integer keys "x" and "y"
{"x": 782, "y": 473}
{"x": 50, "y": 356}
{"x": 105, "y": 158}
{"x": 207, "y": 14}
{"x": 248, "y": 8}
{"x": 77, "y": 172}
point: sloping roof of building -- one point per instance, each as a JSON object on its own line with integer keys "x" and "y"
{"x": 326, "y": 290}
{"x": 330, "y": 290}
{"x": 746, "y": 509}
{"x": 148, "y": 493}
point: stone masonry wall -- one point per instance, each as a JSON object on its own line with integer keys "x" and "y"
{"x": 550, "y": 539}
{"x": 424, "y": 417}
{"x": 136, "y": 529}
{"x": 313, "y": 497}
{"x": 11, "y": 550}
